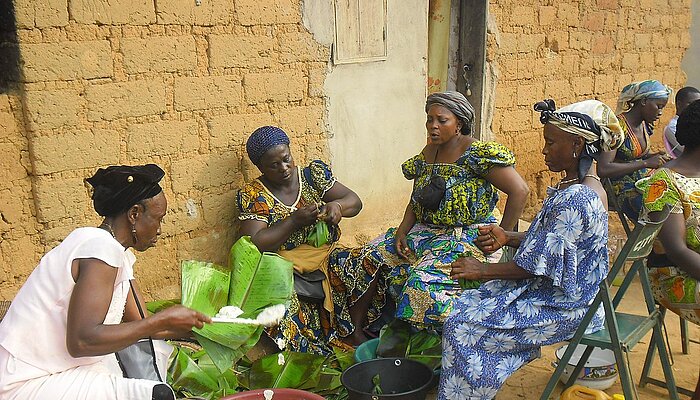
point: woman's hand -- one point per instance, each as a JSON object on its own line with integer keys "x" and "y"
{"x": 491, "y": 238}
{"x": 467, "y": 268}
{"x": 179, "y": 320}
{"x": 305, "y": 216}
{"x": 331, "y": 212}
{"x": 401, "y": 245}
{"x": 656, "y": 160}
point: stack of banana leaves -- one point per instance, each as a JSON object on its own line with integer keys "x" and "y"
{"x": 253, "y": 282}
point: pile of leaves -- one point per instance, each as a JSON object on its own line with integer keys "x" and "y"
{"x": 193, "y": 374}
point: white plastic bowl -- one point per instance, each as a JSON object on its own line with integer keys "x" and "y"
{"x": 600, "y": 371}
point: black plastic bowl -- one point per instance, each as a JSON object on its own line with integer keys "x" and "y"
{"x": 400, "y": 378}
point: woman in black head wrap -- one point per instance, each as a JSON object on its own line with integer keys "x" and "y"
{"x": 83, "y": 296}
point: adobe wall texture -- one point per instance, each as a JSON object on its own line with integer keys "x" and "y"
{"x": 575, "y": 50}
{"x": 169, "y": 82}
{"x": 107, "y": 82}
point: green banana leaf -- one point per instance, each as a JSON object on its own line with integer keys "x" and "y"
{"x": 205, "y": 288}
{"x": 160, "y": 305}
{"x": 319, "y": 235}
{"x": 303, "y": 371}
{"x": 258, "y": 280}
{"x": 399, "y": 339}
{"x": 194, "y": 374}
{"x": 184, "y": 373}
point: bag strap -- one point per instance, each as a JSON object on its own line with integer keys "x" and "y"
{"x": 432, "y": 166}
{"x": 150, "y": 341}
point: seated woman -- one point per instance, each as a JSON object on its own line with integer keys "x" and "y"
{"x": 541, "y": 296}
{"x": 439, "y": 227}
{"x": 78, "y": 306}
{"x": 278, "y": 211}
{"x": 640, "y": 104}
{"x": 677, "y": 185}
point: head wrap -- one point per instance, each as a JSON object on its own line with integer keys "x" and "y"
{"x": 650, "y": 89}
{"x": 119, "y": 187}
{"x": 457, "y": 104}
{"x": 262, "y": 140}
{"x": 594, "y": 121}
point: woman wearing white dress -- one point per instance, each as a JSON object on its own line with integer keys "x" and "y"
{"x": 76, "y": 309}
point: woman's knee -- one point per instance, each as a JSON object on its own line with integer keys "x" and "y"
{"x": 162, "y": 392}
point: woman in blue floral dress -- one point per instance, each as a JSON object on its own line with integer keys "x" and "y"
{"x": 541, "y": 296}
{"x": 415, "y": 257}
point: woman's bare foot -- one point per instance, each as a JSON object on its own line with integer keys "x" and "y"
{"x": 356, "y": 338}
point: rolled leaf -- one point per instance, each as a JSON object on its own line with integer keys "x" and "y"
{"x": 319, "y": 235}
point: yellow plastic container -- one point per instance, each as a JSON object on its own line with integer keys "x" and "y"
{"x": 578, "y": 392}
{"x": 618, "y": 396}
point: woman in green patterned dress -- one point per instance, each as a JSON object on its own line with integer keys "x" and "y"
{"x": 676, "y": 284}
{"x": 437, "y": 229}
{"x": 278, "y": 211}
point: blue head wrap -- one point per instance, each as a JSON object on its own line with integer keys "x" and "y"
{"x": 649, "y": 89}
{"x": 262, "y": 140}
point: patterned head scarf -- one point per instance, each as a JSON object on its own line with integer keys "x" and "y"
{"x": 458, "y": 105}
{"x": 119, "y": 187}
{"x": 650, "y": 89}
{"x": 594, "y": 121}
{"x": 262, "y": 140}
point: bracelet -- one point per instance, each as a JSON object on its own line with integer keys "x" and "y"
{"x": 341, "y": 207}
{"x": 596, "y": 177}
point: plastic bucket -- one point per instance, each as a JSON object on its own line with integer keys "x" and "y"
{"x": 367, "y": 350}
{"x": 399, "y": 378}
{"x": 278, "y": 394}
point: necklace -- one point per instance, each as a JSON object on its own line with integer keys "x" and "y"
{"x": 106, "y": 226}
{"x": 566, "y": 182}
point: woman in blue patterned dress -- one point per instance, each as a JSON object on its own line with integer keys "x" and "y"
{"x": 415, "y": 257}
{"x": 540, "y": 296}
{"x": 640, "y": 105}
{"x": 278, "y": 211}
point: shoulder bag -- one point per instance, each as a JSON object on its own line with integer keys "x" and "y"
{"x": 138, "y": 361}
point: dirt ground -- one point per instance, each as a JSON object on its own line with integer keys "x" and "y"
{"x": 530, "y": 380}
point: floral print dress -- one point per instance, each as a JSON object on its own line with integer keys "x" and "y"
{"x": 499, "y": 327}
{"x": 305, "y": 327}
{"x": 421, "y": 286}
{"x": 672, "y": 287}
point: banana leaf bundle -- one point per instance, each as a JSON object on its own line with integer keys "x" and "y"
{"x": 254, "y": 282}
{"x": 319, "y": 235}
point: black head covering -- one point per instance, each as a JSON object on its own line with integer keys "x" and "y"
{"x": 119, "y": 187}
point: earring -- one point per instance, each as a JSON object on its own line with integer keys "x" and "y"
{"x": 574, "y": 153}
{"x": 133, "y": 233}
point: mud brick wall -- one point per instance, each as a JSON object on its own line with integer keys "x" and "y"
{"x": 126, "y": 82}
{"x": 576, "y": 50}
{"x": 166, "y": 81}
